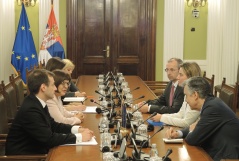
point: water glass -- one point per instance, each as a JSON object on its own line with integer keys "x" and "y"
{"x": 101, "y": 76}
{"x": 109, "y": 156}
{"x": 100, "y": 81}
{"x": 142, "y": 130}
{"x": 124, "y": 84}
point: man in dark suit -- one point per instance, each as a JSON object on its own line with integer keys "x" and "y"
{"x": 33, "y": 131}
{"x": 217, "y": 130}
{"x": 166, "y": 104}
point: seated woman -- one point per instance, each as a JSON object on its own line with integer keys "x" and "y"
{"x": 73, "y": 91}
{"x": 185, "y": 117}
{"x": 55, "y": 105}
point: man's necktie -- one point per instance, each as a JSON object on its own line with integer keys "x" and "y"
{"x": 171, "y": 96}
{"x": 46, "y": 110}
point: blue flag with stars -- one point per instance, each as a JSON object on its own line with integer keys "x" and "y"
{"x": 24, "y": 55}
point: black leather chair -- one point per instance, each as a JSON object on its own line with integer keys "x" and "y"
{"x": 157, "y": 87}
{"x": 229, "y": 95}
{"x": 210, "y": 80}
{"x": 9, "y": 93}
{"x": 19, "y": 87}
{"x": 217, "y": 88}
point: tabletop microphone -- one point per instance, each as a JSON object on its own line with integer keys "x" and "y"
{"x": 166, "y": 158}
{"x": 106, "y": 96}
{"x": 98, "y": 109}
{"x": 145, "y": 143}
{"x": 133, "y": 90}
{"x": 135, "y": 99}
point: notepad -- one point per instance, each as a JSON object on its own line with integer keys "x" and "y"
{"x": 74, "y": 99}
{"x": 90, "y": 109}
{"x": 155, "y": 123}
{"x": 91, "y": 142}
{"x": 180, "y": 140}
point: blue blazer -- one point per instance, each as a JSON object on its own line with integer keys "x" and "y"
{"x": 217, "y": 131}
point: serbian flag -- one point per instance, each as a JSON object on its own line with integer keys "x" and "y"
{"x": 24, "y": 54}
{"x": 52, "y": 44}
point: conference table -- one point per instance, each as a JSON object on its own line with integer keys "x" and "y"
{"x": 88, "y": 84}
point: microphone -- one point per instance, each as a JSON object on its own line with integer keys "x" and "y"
{"x": 106, "y": 96}
{"x": 133, "y": 90}
{"x": 166, "y": 158}
{"x": 145, "y": 143}
{"x": 98, "y": 109}
{"x": 135, "y": 99}
{"x": 152, "y": 115}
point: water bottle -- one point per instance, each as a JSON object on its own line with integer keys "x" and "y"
{"x": 154, "y": 154}
{"x": 104, "y": 123}
{"x": 105, "y": 141}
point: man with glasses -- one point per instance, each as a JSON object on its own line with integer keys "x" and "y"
{"x": 172, "y": 98}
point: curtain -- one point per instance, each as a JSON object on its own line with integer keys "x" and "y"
{"x": 223, "y": 40}
{"x": 173, "y": 31}
{"x": 7, "y": 32}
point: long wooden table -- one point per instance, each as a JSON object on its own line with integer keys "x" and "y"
{"x": 181, "y": 152}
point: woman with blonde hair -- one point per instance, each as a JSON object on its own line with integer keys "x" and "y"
{"x": 185, "y": 117}
{"x": 73, "y": 91}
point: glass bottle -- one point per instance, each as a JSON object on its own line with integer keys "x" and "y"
{"x": 104, "y": 123}
{"x": 154, "y": 154}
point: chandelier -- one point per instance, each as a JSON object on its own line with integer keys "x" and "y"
{"x": 27, "y": 3}
{"x": 196, "y": 3}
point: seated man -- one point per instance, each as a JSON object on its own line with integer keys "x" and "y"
{"x": 33, "y": 130}
{"x": 172, "y": 98}
{"x": 217, "y": 130}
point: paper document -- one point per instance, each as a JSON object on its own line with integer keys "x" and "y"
{"x": 74, "y": 99}
{"x": 91, "y": 142}
{"x": 180, "y": 140}
{"x": 90, "y": 109}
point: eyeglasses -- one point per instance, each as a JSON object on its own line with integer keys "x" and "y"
{"x": 170, "y": 70}
{"x": 65, "y": 83}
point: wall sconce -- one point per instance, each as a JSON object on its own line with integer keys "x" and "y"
{"x": 27, "y": 3}
{"x": 196, "y": 3}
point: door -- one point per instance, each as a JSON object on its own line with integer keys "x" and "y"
{"x": 112, "y": 35}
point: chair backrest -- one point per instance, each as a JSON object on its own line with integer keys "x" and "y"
{"x": 157, "y": 87}
{"x": 9, "y": 93}
{"x": 229, "y": 95}
{"x": 210, "y": 80}
{"x": 19, "y": 87}
{"x": 3, "y": 113}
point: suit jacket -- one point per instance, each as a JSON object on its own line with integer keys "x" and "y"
{"x": 161, "y": 105}
{"x": 33, "y": 131}
{"x": 217, "y": 131}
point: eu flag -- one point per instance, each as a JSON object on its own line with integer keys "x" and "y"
{"x": 24, "y": 53}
